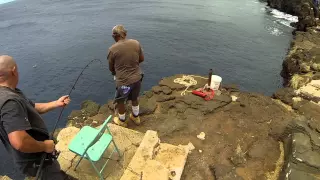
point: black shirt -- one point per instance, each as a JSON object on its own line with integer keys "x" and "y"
{"x": 19, "y": 114}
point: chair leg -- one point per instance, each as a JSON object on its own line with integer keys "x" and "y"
{"x": 78, "y": 163}
{"x": 95, "y": 168}
{"x": 116, "y": 147}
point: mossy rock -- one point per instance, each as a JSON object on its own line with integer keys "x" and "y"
{"x": 91, "y": 108}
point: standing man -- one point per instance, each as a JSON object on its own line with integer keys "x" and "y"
{"x": 124, "y": 59}
{"x": 22, "y": 129}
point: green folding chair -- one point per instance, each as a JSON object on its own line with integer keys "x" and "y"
{"x": 91, "y": 143}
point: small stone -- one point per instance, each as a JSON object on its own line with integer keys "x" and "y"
{"x": 149, "y": 94}
{"x": 201, "y": 136}
{"x": 189, "y": 148}
{"x": 156, "y": 89}
{"x": 166, "y": 90}
{"x": 234, "y": 98}
{"x": 163, "y": 98}
{"x": 200, "y": 151}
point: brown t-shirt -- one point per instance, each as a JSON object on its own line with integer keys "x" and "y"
{"x": 124, "y": 56}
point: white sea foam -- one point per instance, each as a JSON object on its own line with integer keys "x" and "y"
{"x": 281, "y": 15}
{"x": 283, "y": 22}
{"x": 5, "y": 1}
{"x": 274, "y": 31}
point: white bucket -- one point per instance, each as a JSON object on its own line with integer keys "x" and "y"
{"x": 215, "y": 82}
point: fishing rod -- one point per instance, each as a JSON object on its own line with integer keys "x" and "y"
{"x": 55, "y": 153}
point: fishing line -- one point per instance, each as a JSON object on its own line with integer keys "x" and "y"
{"x": 43, "y": 157}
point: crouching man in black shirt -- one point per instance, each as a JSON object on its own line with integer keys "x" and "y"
{"x": 22, "y": 129}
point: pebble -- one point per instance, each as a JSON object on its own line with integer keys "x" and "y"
{"x": 200, "y": 151}
{"x": 201, "y": 136}
{"x": 190, "y": 147}
{"x": 234, "y": 98}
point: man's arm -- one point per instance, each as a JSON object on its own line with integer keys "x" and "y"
{"x": 23, "y": 142}
{"x": 141, "y": 55}
{"x": 111, "y": 63}
{"x": 16, "y": 123}
{"x": 45, "y": 107}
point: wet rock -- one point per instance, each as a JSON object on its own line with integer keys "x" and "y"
{"x": 156, "y": 89}
{"x": 238, "y": 160}
{"x": 316, "y": 76}
{"x": 70, "y": 123}
{"x": 148, "y": 94}
{"x": 285, "y": 95}
{"x": 194, "y": 101}
{"x": 75, "y": 114}
{"x": 301, "y": 143}
{"x": 90, "y": 107}
{"x": 315, "y": 125}
{"x": 314, "y": 135}
{"x": 163, "y": 98}
{"x": 193, "y": 113}
{"x": 311, "y": 158}
{"x": 231, "y": 87}
{"x": 210, "y": 106}
{"x": 309, "y": 109}
{"x": 147, "y": 106}
{"x": 98, "y": 119}
{"x": 224, "y": 172}
{"x": 181, "y": 107}
{"x": 223, "y": 98}
{"x": 165, "y": 106}
{"x": 104, "y": 109}
{"x": 87, "y": 122}
{"x": 166, "y": 90}
{"x": 294, "y": 174}
{"x": 77, "y": 117}
{"x": 264, "y": 149}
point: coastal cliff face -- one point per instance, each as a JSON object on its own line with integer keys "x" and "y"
{"x": 302, "y": 63}
{"x": 287, "y": 6}
{"x": 304, "y": 9}
{"x": 301, "y": 72}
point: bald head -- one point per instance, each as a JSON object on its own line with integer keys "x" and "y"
{"x": 8, "y": 69}
{"x": 6, "y": 62}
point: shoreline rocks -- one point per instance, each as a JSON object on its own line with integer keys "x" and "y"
{"x": 237, "y": 129}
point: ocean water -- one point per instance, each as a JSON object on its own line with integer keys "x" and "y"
{"x": 243, "y": 41}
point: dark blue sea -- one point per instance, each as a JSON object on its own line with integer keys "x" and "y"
{"x": 52, "y": 40}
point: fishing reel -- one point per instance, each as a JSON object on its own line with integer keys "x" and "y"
{"x": 53, "y": 156}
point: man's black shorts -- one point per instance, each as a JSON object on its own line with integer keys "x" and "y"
{"x": 130, "y": 92}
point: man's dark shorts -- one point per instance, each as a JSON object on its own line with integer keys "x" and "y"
{"x": 130, "y": 92}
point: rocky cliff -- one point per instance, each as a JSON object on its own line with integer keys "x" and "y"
{"x": 302, "y": 63}
{"x": 301, "y": 73}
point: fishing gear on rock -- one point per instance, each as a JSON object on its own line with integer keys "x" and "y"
{"x": 54, "y": 156}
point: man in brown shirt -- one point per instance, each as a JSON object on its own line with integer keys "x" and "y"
{"x": 124, "y": 59}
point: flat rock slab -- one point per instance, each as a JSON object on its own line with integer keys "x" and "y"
{"x": 4, "y": 178}
{"x": 311, "y": 91}
{"x": 127, "y": 141}
{"x": 154, "y": 160}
